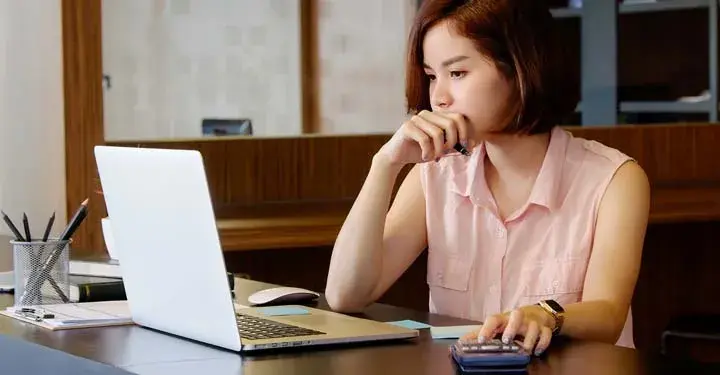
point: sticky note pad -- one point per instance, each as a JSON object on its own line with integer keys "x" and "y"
{"x": 451, "y": 332}
{"x": 411, "y": 324}
{"x": 283, "y": 310}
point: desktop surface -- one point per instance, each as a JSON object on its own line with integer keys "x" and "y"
{"x": 144, "y": 351}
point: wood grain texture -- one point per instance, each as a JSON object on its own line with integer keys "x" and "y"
{"x": 296, "y": 192}
{"x": 82, "y": 69}
{"x": 146, "y": 351}
{"x": 309, "y": 55}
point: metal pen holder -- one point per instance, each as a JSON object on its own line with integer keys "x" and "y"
{"x": 41, "y": 271}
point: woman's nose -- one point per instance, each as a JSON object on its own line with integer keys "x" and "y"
{"x": 440, "y": 95}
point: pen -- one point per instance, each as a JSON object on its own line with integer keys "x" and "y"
{"x": 461, "y": 149}
{"x": 458, "y": 147}
{"x": 49, "y": 226}
{"x": 12, "y": 227}
{"x": 28, "y": 238}
{"x": 34, "y": 315}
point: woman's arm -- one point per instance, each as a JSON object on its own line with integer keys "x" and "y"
{"x": 611, "y": 275}
{"x": 615, "y": 259}
{"x": 374, "y": 246}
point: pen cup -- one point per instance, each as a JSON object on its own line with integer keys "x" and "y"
{"x": 41, "y": 272}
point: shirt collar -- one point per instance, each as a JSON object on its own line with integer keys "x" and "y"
{"x": 467, "y": 175}
{"x": 546, "y": 190}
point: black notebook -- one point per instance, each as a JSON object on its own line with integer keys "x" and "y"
{"x": 96, "y": 289}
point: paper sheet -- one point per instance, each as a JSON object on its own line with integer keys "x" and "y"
{"x": 7, "y": 281}
{"x": 451, "y": 332}
{"x": 79, "y": 315}
{"x": 283, "y": 311}
{"x": 411, "y": 324}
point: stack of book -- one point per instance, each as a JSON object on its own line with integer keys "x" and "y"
{"x": 95, "y": 280}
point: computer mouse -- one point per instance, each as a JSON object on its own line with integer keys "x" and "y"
{"x": 282, "y": 295}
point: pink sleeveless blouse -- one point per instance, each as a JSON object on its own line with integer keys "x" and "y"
{"x": 480, "y": 265}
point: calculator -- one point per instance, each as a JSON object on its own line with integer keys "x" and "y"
{"x": 490, "y": 356}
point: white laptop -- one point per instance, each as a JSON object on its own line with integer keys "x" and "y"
{"x": 173, "y": 269}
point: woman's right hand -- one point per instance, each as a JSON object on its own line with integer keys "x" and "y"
{"x": 426, "y": 136}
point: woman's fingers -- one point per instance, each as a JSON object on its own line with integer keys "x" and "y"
{"x": 455, "y": 126}
{"x": 544, "y": 342}
{"x": 423, "y": 139}
{"x": 492, "y": 325}
{"x": 435, "y": 132}
{"x": 513, "y": 326}
{"x": 532, "y": 333}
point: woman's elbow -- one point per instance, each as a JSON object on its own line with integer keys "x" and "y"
{"x": 342, "y": 302}
{"x": 616, "y": 318}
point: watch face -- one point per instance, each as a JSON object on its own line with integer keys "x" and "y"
{"x": 555, "y": 306}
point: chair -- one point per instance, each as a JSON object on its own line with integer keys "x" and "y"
{"x": 692, "y": 337}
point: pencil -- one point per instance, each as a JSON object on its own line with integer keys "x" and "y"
{"x": 12, "y": 227}
{"x": 49, "y": 226}
{"x": 28, "y": 238}
{"x": 75, "y": 221}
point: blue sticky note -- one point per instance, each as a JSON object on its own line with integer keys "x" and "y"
{"x": 283, "y": 310}
{"x": 411, "y": 324}
{"x": 451, "y": 332}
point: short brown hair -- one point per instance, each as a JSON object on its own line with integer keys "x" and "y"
{"x": 518, "y": 36}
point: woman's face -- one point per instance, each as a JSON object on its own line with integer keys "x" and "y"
{"x": 464, "y": 81}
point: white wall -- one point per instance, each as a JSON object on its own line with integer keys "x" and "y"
{"x": 32, "y": 143}
{"x": 173, "y": 62}
{"x": 362, "y": 64}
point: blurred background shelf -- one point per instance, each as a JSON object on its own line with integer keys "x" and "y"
{"x": 604, "y": 98}
{"x": 658, "y": 6}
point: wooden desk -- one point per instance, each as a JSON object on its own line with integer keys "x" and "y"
{"x": 146, "y": 351}
{"x": 311, "y": 224}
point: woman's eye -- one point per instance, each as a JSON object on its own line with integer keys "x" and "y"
{"x": 457, "y": 74}
{"x": 430, "y": 76}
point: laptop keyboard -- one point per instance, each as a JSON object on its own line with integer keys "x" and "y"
{"x": 252, "y": 327}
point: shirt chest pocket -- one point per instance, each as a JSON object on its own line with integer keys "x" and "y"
{"x": 558, "y": 279}
{"x": 448, "y": 271}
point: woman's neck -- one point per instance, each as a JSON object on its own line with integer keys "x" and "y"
{"x": 515, "y": 156}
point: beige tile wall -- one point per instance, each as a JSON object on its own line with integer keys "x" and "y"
{"x": 32, "y": 133}
{"x": 362, "y": 53}
{"x": 174, "y": 62}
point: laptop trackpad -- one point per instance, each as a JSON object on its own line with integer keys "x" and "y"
{"x": 332, "y": 323}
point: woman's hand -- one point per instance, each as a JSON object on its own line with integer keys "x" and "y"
{"x": 426, "y": 136}
{"x": 533, "y": 323}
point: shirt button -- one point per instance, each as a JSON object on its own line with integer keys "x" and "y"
{"x": 500, "y": 232}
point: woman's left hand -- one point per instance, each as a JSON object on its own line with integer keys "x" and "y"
{"x": 533, "y": 323}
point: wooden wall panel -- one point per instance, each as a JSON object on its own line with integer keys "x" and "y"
{"x": 82, "y": 69}
{"x": 263, "y": 170}
{"x": 309, "y": 66}
{"x": 672, "y": 155}
{"x": 250, "y": 171}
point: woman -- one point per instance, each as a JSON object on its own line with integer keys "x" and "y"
{"x": 536, "y": 233}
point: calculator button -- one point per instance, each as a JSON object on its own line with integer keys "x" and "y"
{"x": 490, "y": 347}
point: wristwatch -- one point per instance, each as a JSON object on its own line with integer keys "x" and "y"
{"x": 557, "y": 312}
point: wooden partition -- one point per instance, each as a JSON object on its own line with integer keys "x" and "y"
{"x": 295, "y": 192}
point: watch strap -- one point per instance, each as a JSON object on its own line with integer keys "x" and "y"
{"x": 558, "y": 314}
